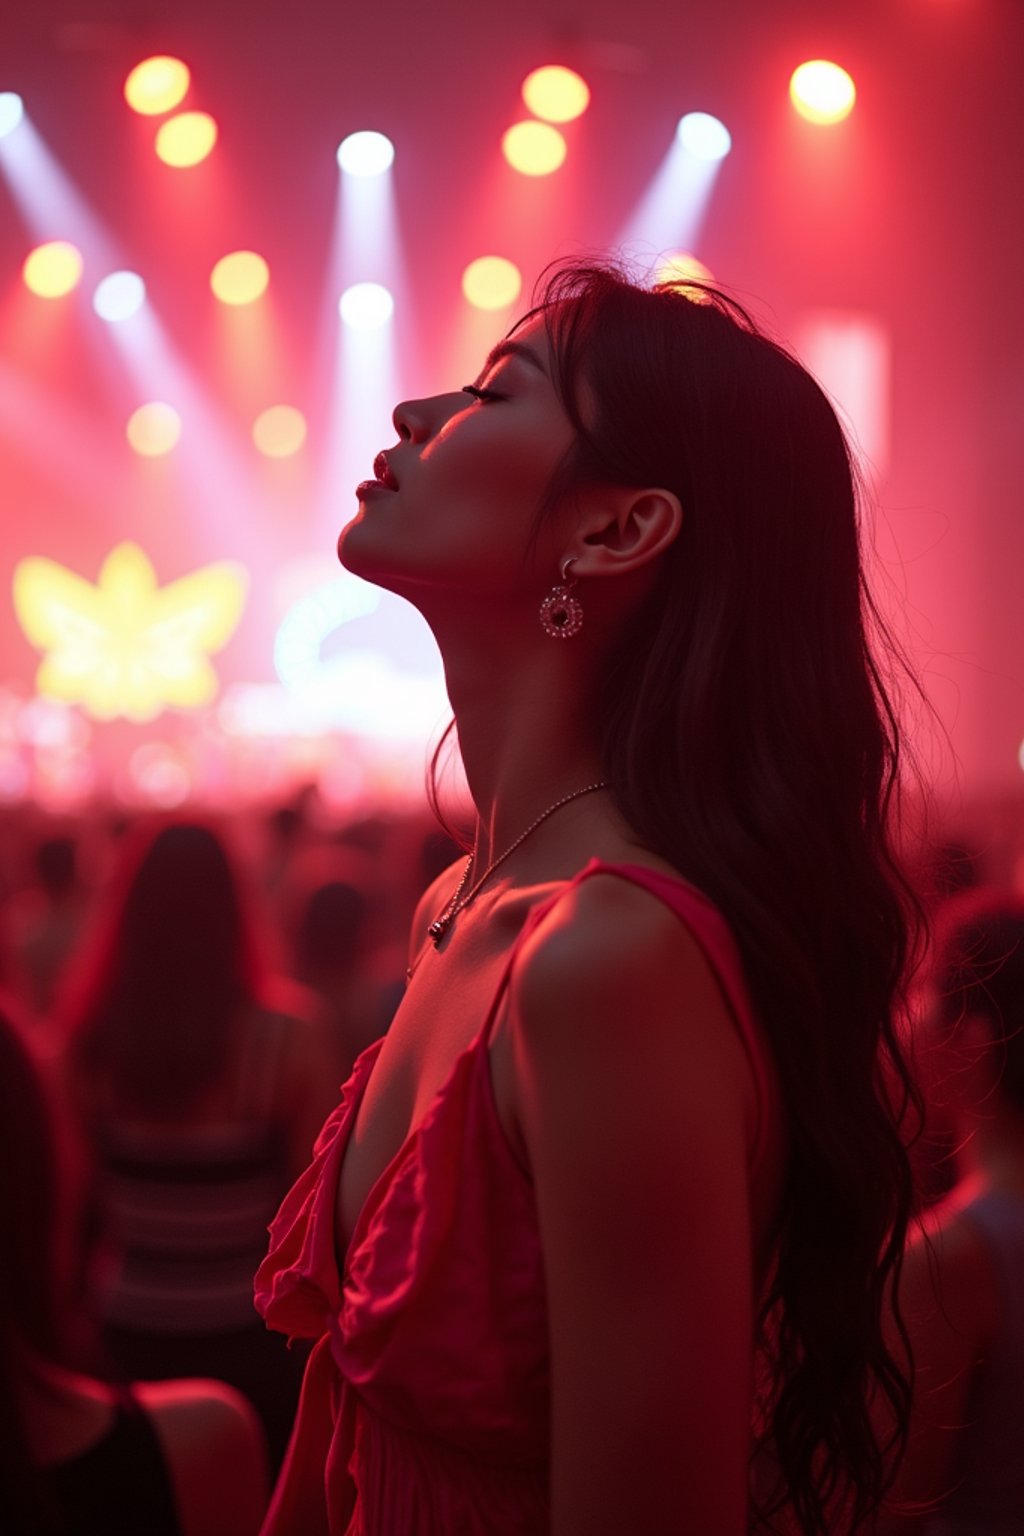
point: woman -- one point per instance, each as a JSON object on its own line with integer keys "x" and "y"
{"x": 627, "y": 1123}
{"x": 79, "y": 1457}
{"x": 199, "y": 1089}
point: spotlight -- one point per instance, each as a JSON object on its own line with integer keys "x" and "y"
{"x": 703, "y": 136}
{"x": 555, "y": 93}
{"x": 533, "y": 149}
{"x": 279, "y": 431}
{"x": 153, "y": 429}
{"x": 682, "y": 269}
{"x": 491, "y": 282}
{"x": 240, "y": 278}
{"x": 119, "y": 296}
{"x": 366, "y": 306}
{"x": 186, "y": 139}
{"x": 366, "y": 154}
{"x": 822, "y": 92}
{"x": 157, "y": 85}
{"x": 52, "y": 270}
{"x": 12, "y": 110}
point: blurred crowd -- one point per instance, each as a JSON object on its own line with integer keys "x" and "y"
{"x": 181, "y": 1000}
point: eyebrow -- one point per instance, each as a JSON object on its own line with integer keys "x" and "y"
{"x": 514, "y": 349}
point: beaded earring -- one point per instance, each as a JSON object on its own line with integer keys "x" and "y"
{"x": 561, "y": 614}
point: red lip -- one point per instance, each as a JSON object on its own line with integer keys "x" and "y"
{"x": 384, "y": 473}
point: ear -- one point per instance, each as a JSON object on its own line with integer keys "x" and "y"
{"x": 626, "y": 529}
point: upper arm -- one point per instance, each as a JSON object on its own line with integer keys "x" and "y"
{"x": 946, "y": 1296}
{"x": 633, "y": 1097}
{"x": 216, "y": 1454}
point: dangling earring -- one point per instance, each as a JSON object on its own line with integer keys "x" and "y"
{"x": 561, "y": 614}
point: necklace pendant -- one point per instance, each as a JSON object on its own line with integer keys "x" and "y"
{"x": 438, "y": 928}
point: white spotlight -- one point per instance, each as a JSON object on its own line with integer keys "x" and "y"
{"x": 703, "y": 136}
{"x": 12, "y": 110}
{"x": 366, "y": 306}
{"x": 118, "y": 296}
{"x": 366, "y": 154}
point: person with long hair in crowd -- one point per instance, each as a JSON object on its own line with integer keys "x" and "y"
{"x": 79, "y": 1456}
{"x": 963, "y": 1280}
{"x": 602, "y": 1234}
{"x": 199, "y": 1083}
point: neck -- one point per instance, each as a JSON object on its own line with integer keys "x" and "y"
{"x": 524, "y": 734}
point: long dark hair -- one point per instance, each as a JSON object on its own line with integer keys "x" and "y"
{"x": 751, "y": 739}
{"x": 169, "y": 971}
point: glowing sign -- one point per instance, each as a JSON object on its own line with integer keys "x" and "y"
{"x": 126, "y": 646}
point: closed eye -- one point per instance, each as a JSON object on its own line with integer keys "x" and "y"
{"x": 480, "y": 394}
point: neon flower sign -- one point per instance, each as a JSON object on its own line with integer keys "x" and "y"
{"x": 126, "y": 647}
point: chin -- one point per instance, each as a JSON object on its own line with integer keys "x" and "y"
{"x": 348, "y": 546}
{"x": 362, "y": 555}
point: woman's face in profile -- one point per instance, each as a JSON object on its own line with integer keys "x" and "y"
{"x": 455, "y": 500}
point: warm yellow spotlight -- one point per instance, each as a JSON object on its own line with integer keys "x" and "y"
{"x": 279, "y": 431}
{"x": 153, "y": 429}
{"x": 157, "y": 85}
{"x": 556, "y": 93}
{"x": 535, "y": 149}
{"x": 822, "y": 92}
{"x": 681, "y": 269}
{"x": 491, "y": 282}
{"x": 126, "y": 646}
{"x": 186, "y": 139}
{"x": 52, "y": 270}
{"x": 240, "y": 278}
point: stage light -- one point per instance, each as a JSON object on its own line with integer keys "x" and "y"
{"x": 157, "y": 85}
{"x": 822, "y": 92}
{"x": 52, "y": 270}
{"x": 279, "y": 431}
{"x": 240, "y": 278}
{"x": 703, "y": 136}
{"x": 126, "y": 646}
{"x": 555, "y": 93}
{"x": 533, "y": 149}
{"x": 366, "y": 154}
{"x": 681, "y": 269}
{"x": 153, "y": 429}
{"x": 186, "y": 139}
{"x": 491, "y": 282}
{"x": 366, "y": 306}
{"x": 119, "y": 296}
{"x": 12, "y": 110}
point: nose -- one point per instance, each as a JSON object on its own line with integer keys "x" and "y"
{"x": 411, "y": 420}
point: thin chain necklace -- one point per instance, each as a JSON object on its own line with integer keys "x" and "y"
{"x": 458, "y": 902}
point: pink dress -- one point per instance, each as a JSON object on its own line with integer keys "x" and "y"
{"x": 425, "y": 1406}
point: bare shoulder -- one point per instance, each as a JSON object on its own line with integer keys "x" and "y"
{"x": 609, "y": 940}
{"x": 216, "y": 1452}
{"x": 607, "y": 908}
{"x": 949, "y": 1279}
{"x": 613, "y": 976}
